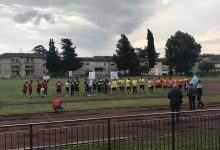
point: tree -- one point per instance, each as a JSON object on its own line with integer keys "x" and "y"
{"x": 206, "y": 66}
{"x": 144, "y": 69}
{"x": 125, "y": 57}
{"x": 181, "y": 52}
{"x": 53, "y": 59}
{"x": 141, "y": 53}
{"x": 151, "y": 52}
{"x": 70, "y": 62}
{"x": 40, "y": 50}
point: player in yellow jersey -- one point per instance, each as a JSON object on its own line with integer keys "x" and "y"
{"x": 128, "y": 85}
{"x": 121, "y": 84}
{"x": 114, "y": 86}
{"x": 134, "y": 85}
{"x": 141, "y": 83}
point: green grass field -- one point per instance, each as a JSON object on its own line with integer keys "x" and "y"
{"x": 13, "y": 102}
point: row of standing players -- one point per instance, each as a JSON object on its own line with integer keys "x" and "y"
{"x": 101, "y": 86}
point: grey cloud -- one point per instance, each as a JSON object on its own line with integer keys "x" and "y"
{"x": 109, "y": 18}
{"x": 33, "y": 15}
{"x": 120, "y": 16}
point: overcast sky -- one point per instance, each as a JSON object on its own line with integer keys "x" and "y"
{"x": 95, "y": 26}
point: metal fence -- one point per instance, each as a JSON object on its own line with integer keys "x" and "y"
{"x": 158, "y": 131}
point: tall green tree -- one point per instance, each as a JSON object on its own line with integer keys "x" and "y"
{"x": 70, "y": 61}
{"x": 151, "y": 52}
{"x": 125, "y": 57}
{"x": 206, "y": 66}
{"x": 141, "y": 53}
{"x": 40, "y": 50}
{"x": 181, "y": 52}
{"x": 53, "y": 59}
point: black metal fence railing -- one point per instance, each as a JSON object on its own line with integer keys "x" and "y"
{"x": 197, "y": 130}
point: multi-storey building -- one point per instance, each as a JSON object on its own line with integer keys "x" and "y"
{"x": 22, "y": 65}
{"x": 103, "y": 65}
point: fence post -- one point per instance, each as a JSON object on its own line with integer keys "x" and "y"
{"x": 109, "y": 134}
{"x": 31, "y": 137}
{"x": 173, "y": 129}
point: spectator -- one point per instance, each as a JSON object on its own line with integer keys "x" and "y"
{"x": 175, "y": 96}
{"x": 191, "y": 93}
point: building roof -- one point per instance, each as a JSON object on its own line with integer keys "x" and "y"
{"x": 97, "y": 58}
{"x": 106, "y": 58}
{"x": 32, "y": 55}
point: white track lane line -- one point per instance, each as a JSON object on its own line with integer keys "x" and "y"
{"x": 51, "y": 119}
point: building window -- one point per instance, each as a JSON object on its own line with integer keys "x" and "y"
{"x": 112, "y": 64}
{"x": 15, "y": 67}
{"x": 87, "y": 63}
{"x": 104, "y": 64}
{"x": 29, "y": 72}
{"x": 99, "y": 69}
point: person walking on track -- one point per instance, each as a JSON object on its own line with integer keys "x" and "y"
{"x": 191, "y": 93}
{"x": 176, "y": 99}
{"x": 199, "y": 94}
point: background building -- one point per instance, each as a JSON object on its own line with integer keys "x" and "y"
{"x": 22, "y": 65}
{"x": 103, "y": 65}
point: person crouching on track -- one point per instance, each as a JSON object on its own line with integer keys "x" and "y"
{"x": 57, "y": 105}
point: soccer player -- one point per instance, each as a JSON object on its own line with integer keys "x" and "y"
{"x": 134, "y": 85}
{"x": 72, "y": 87}
{"x": 128, "y": 85}
{"x": 121, "y": 84}
{"x": 30, "y": 87}
{"x": 77, "y": 84}
{"x": 141, "y": 83}
{"x": 24, "y": 88}
{"x": 150, "y": 85}
{"x": 38, "y": 87}
{"x": 67, "y": 87}
{"x": 114, "y": 86}
{"x": 59, "y": 86}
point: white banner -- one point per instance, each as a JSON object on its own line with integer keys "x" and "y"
{"x": 114, "y": 75}
{"x": 46, "y": 78}
{"x": 70, "y": 73}
{"x": 91, "y": 75}
{"x": 154, "y": 71}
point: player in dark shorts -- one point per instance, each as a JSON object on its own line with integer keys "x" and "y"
{"x": 38, "y": 87}
{"x": 59, "y": 87}
{"x": 141, "y": 83}
{"x": 24, "y": 88}
{"x": 72, "y": 87}
{"x": 77, "y": 83}
{"x": 94, "y": 87}
{"x": 30, "y": 87}
{"x": 99, "y": 86}
{"x": 86, "y": 86}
